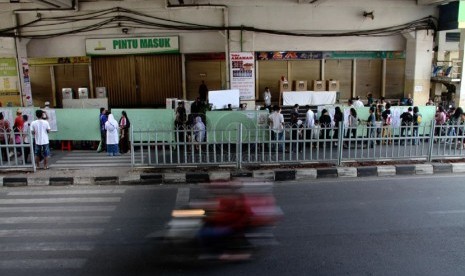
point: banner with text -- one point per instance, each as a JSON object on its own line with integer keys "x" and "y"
{"x": 243, "y": 74}
{"x": 132, "y": 45}
{"x": 9, "y": 85}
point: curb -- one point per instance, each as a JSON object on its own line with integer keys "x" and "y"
{"x": 281, "y": 175}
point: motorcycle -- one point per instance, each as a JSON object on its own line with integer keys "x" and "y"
{"x": 232, "y": 223}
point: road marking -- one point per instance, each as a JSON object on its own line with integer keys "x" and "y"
{"x": 43, "y": 264}
{"x": 46, "y": 246}
{"x": 57, "y": 220}
{"x": 66, "y": 232}
{"x": 67, "y": 192}
{"x": 182, "y": 197}
{"x": 447, "y": 212}
{"x": 42, "y": 209}
{"x": 59, "y": 200}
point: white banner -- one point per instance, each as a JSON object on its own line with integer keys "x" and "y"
{"x": 242, "y": 68}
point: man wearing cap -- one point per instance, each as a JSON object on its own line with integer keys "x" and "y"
{"x": 19, "y": 122}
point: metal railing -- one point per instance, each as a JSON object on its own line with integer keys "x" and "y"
{"x": 14, "y": 152}
{"x": 247, "y": 147}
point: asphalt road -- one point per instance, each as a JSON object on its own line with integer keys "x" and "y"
{"x": 374, "y": 226}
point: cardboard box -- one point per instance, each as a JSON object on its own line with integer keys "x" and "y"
{"x": 67, "y": 93}
{"x": 100, "y": 92}
{"x": 83, "y": 93}
{"x": 284, "y": 86}
{"x": 299, "y": 85}
{"x": 319, "y": 85}
{"x": 332, "y": 85}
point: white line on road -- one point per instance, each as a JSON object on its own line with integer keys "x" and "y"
{"x": 56, "y": 220}
{"x": 46, "y": 246}
{"x": 59, "y": 200}
{"x": 447, "y": 212}
{"x": 66, "y": 232}
{"x": 68, "y": 192}
{"x": 42, "y": 209}
{"x": 43, "y": 264}
{"x": 182, "y": 198}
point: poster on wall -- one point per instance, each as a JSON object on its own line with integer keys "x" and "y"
{"x": 27, "y": 94}
{"x": 9, "y": 91}
{"x": 243, "y": 74}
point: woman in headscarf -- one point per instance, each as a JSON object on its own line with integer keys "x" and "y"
{"x": 124, "y": 125}
{"x": 199, "y": 131}
{"x": 111, "y": 126}
{"x": 325, "y": 124}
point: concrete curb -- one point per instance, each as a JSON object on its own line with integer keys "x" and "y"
{"x": 281, "y": 175}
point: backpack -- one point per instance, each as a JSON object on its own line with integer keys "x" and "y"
{"x": 419, "y": 118}
{"x": 388, "y": 120}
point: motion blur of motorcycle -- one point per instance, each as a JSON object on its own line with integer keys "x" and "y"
{"x": 231, "y": 222}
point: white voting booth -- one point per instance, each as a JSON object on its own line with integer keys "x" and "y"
{"x": 221, "y": 98}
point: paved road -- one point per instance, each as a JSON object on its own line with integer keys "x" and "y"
{"x": 395, "y": 226}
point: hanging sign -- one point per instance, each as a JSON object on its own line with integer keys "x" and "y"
{"x": 243, "y": 74}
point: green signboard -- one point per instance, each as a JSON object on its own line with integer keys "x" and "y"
{"x": 462, "y": 14}
{"x": 132, "y": 45}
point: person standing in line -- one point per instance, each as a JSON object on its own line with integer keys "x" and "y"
{"x": 358, "y": 103}
{"x": 338, "y": 119}
{"x": 267, "y": 98}
{"x": 277, "y": 126}
{"x": 111, "y": 126}
{"x": 294, "y": 126}
{"x": 417, "y": 118}
{"x": 203, "y": 91}
{"x": 440, "y": 119}
{"x": 406, "y": 120}
{"x": 199, "y": 132}
{"x": 25, "y": 137}
{"x": 325, "y": 124}
{"x": 386, "y": 122}
{"x": 4, "y": 135}
{"x": 124, "y": 125}
{"x": 309, "y": 123}
{"x": 370, "y": 99}
{"x": 350, "y": 103}
{"x": 371, "y": 126}
{"x": 352, "y": 128}
{"x": 40, "y": 129}
{"x": 17, "y": 130}
{"x": 103, "y": 117}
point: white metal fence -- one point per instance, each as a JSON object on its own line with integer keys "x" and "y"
{"x": 245, "y": 147}
{"x": 15, "y": 152}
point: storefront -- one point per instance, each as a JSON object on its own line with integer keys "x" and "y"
{"x": 358, "y": 73}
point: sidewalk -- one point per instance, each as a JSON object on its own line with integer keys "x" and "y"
{"x": 91, "y": 168}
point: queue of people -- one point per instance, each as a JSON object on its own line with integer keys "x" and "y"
{"x": 114, "y": 135}
{"x": 378, "y": 125}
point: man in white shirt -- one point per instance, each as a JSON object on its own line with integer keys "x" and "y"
{"x": 358, "y": 103}
{"x": 40, "y": 129}
{"x": 309, "y": 118}
{"x": 277, "y": 126}
{"x": 309, "y": 122}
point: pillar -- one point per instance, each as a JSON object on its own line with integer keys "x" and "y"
{"x": 459, "y": 96}
{"x": 419, "y": 55}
